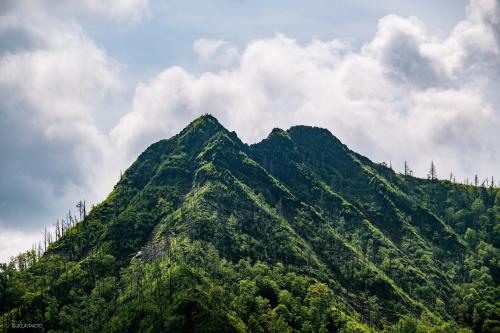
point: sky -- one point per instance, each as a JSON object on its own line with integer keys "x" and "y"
{"x": 87, "y": 85}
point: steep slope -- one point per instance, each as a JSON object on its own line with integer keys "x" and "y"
{"x": 387, "y": 224}
{"x": 204, "y": 233}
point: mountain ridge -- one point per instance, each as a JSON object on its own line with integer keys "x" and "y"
{"x": 296, "y": 232}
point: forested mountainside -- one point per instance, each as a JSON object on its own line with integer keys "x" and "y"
{"x": 297, "y": 233}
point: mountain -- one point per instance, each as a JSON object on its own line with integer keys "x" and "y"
{"x": 296, "y": 233}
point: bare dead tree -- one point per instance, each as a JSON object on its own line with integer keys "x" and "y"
{"x": 69, "y": 220}
{"x": 79, "y": 205}
{"x": 64, "y": 226}
{"x": 432, "y": 175}
{"x": 408, "y": 171}
{"x": 39, "y": 254}
{"x": 45, "y": 239}
{"x": 58, "y": 230}
{"x": 82, "y": 209}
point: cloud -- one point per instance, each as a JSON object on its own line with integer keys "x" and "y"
{"x": 397, "y": 45}
{"x": 54, "y": 82}
{"x": 48, "y": 131}
{"x": 120, "y": 10}
{"x": 214, "y": 52}
{"x": 488, "y": 13}
{"x": 13, "y": 242}
{"x": 408, "y": 94}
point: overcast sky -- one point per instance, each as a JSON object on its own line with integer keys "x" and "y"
{"x": 86, "y": 85}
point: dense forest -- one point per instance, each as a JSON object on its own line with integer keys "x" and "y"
{"x": 297, "y": 233}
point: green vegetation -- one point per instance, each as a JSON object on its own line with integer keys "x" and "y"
{"x": 294, "y": 234}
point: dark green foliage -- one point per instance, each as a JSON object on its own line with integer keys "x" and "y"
{"x": 294, "y": 234}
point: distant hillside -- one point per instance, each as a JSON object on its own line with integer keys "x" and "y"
{"x": 297, "y": 233}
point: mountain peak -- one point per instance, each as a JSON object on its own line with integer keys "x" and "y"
{"x": 202, "y": 128}
{"x": 201, "y": 218}
{"x": 312, "y": 132}
{"x": 206, "y": 121}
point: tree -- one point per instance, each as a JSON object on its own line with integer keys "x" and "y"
{"x": 45, "y": 239}
{"x": 470, "y": 237}
{"x": 478, "y": 207}
{"x": 318, "y": 296}
{"x": 57, "y": 230}
{"x": 432, "y": 175}
{"x": 82, "y": 210}
{"x": 408, "y": 171}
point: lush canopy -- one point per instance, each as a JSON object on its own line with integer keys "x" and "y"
{"x": 293, "y": 234}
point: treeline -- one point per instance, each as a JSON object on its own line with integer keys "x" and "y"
{"x": 295, "y": 234}
{"x": 433, "y": 175}
{"x": 190, "y": 288}
{"x": 61, "y": 226}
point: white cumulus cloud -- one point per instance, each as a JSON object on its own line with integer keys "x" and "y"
{"x": 54, "y": 82}
{"x": 215, "y": 52}
{"x": 407, "y": 94}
